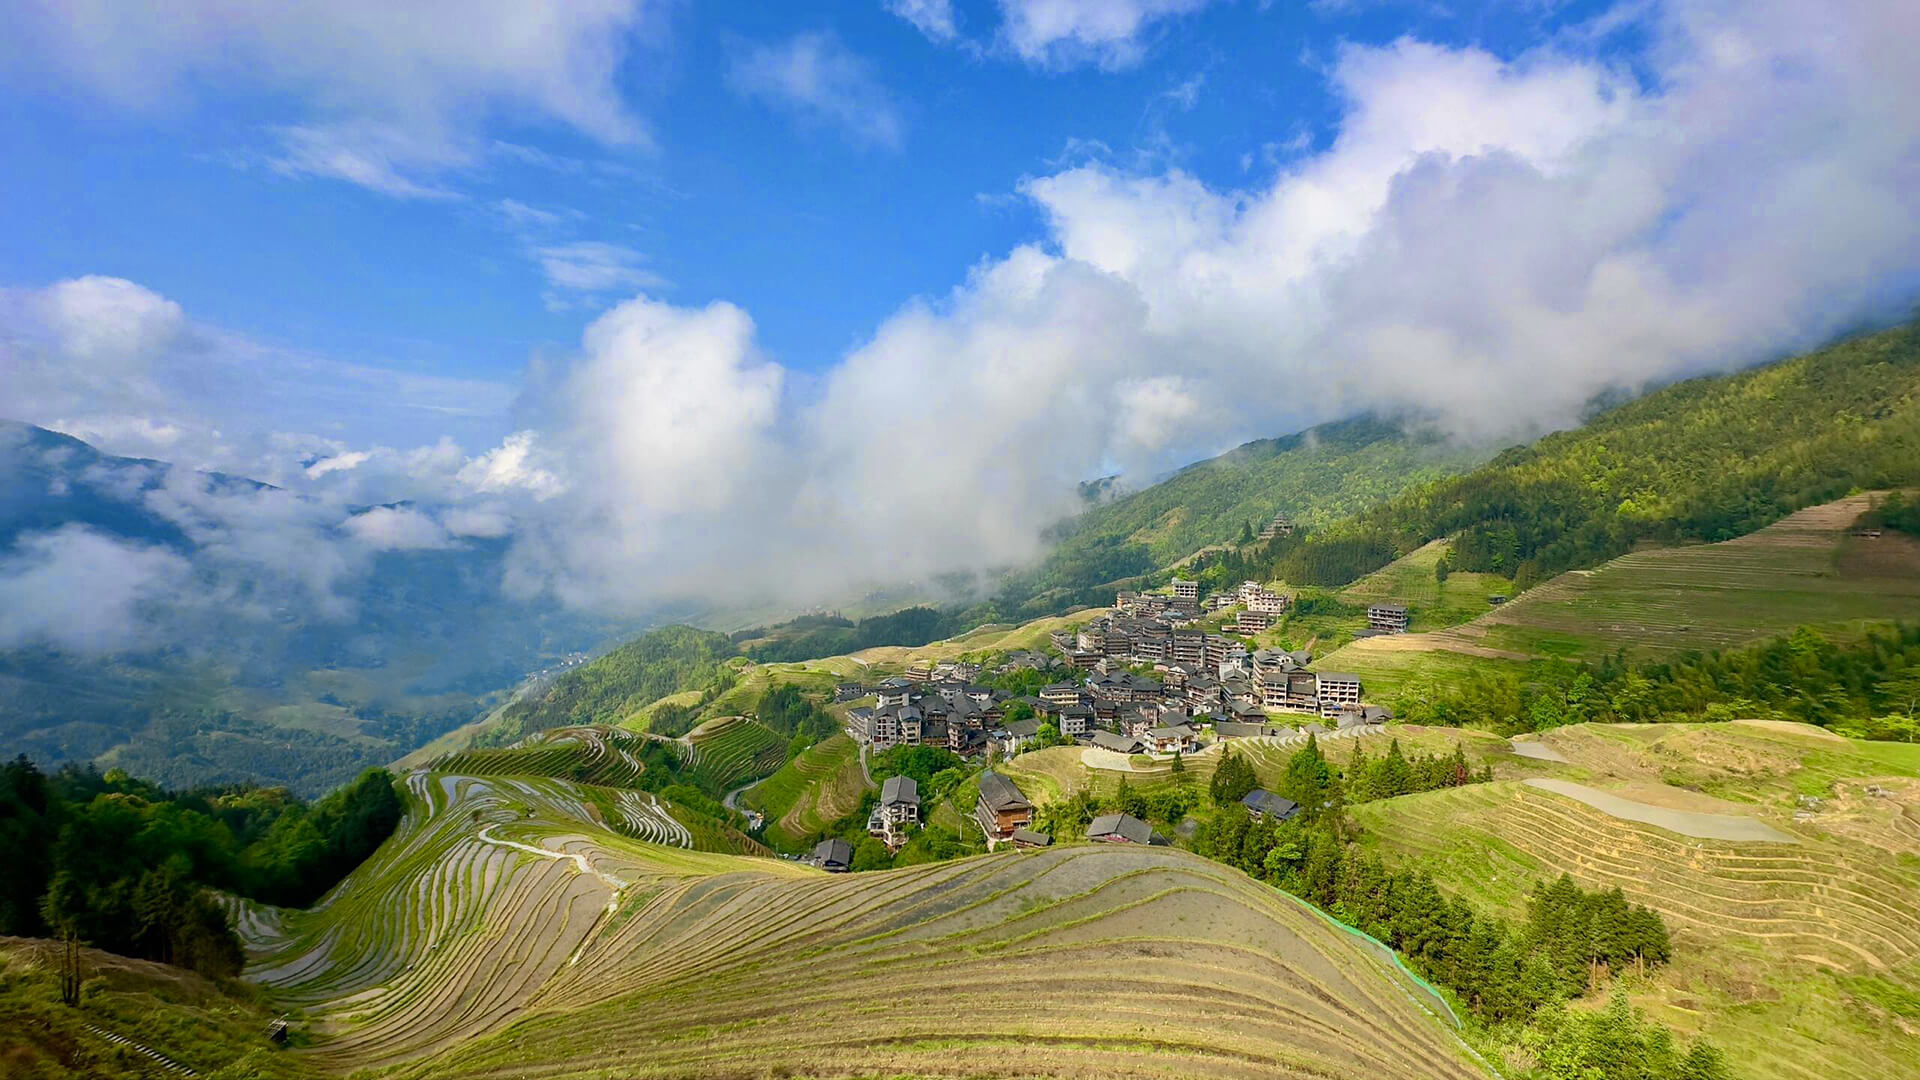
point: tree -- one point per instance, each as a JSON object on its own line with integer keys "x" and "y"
{"x": 1309, "y": 779}
{"x": 871, "y": 854}
{"x": 1179, "y": 765}
{"x": 69, "y": 967}
{"x": 1902, "y": 690}
{"x": 1232, "y": 779}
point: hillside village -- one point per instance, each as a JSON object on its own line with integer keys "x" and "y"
{"x": 1145, "y": 678}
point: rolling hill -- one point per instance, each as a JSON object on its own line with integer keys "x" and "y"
{"x": 504, "y": 931}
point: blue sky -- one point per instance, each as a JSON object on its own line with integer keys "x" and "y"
{"x": 819, "y": 234}
{"x": 701, "y": 298}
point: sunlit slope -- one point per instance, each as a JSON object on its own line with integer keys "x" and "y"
{"x": 1799, "y": 958}
{"x": 1804, "y": 570}
{"x": 501, "y": 933}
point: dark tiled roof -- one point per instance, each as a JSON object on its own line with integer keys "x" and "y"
{"x": 1000, "y": 794}
{"x": 835, "y": 852}
{"x": 1266, "y": 802}
{"x": 1028, "y": 836}
{"x": 1124, "y": 826}
{"x": 900, "y": 789}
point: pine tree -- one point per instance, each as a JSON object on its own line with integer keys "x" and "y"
{"x": 1360, "y": 779}
{"x": 1394, "y": 776}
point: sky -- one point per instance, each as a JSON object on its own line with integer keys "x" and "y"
{"x": 780, "y": 301}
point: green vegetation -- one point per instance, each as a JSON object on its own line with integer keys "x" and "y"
{"x": 1706, "y": 459}
{"x": 1512, "y": 979}
{"x": 730, "y": 752}
{"x": 1897, "y": 511}
{"x": 1867, "y": 686}
{"x": 217, "y": 1029}
{"x": 813, "y": 636}
{"x": 1436, "y": 595}
{"x": 604, "y": 691}
{"x": 817, "y": 788}
{"x": 125, "y": 865}
{"x": 1313, "y": 477}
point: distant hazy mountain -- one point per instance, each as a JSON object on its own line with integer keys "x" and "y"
{"x": 193, "y": 627}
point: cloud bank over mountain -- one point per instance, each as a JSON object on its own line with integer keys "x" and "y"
{"x": 1483, "y": 247}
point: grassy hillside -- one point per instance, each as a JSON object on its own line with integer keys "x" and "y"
{"x": 503, "y": 933}
{"x": 1790, "y": 952}
{"x": 1707, "y": 459}
{"x": 606, "y": 690}
{"x": 127, "y": 1009}
{"x": 1804, "y": 570}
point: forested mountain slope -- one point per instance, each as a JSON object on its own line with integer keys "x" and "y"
{"x": 1314, "y": 477}
{"x": 1703, "y": 460}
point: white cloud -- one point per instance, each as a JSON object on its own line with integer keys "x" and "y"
{"x": 934, "y": 18}
{"x": 510, "y": 467}
{"x": 394, "y": 93}
{"x": 351, "y": 459}
{"x": 110, "y": 323}
{"x": 1483, "y": 245}
{"x": 396, "y": 528}
{"x": 79, "y": 590}
{"x": 480, "y": 522}
{"x": 590, "y": 266}
{"x": 1064, "y": 33}
{"x": 819, "y": 81}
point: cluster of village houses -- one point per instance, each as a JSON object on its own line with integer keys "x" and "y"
{"x": 1204, "y": 686}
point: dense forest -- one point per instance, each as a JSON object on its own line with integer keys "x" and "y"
{"x": 125, "y": 865}
{"x": 1867, "y": 687}
{"x": 1707, "y": 459}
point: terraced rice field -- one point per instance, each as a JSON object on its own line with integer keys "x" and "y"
{"x": 504, "y": 932}
{"x": 592, "y": 754}
{"x": 1801, "y": 570}
{"x": 1797, "y": 958}
{"x": 732, "y": 750}
{"x": 815, "y": 789}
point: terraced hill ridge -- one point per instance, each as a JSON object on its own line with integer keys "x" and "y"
{"x": 502, "y": 932}
{"x": 1799, "y": 956}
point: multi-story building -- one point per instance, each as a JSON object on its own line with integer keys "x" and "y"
{"x": 1337, "y": 691}
{"x": 1252, "y": 622}
{"x": 1001, "y": 808}
{"x": 1278, "y": 527}
{"x": 1062, "y": 693}
{"x": 1182, "y": 589}
{"x": 897, "y": 811}
{"x": 1387, "y": 618}
{"x": 1189, "y": 647}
